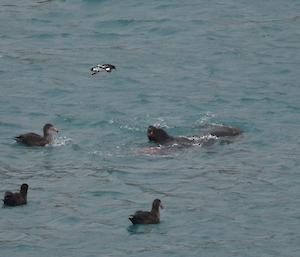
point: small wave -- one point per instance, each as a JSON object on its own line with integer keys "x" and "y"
{"x": 161, "y": 124}
{"x": 130, "y": 128}
{"x": 209, "y": 136}
{"x": 198, "y": 138}
{"x": 61, "y": 141}
{"x": 100, "y": 153}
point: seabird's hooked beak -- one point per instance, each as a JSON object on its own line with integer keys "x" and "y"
{"x": 55, "y": 129}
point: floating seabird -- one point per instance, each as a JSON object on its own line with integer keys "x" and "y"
{"x": 102, "y": 67}
{"x": 32, "y": 139}
{"x": 146, "y": 217}
{"x": 13, "y": 199}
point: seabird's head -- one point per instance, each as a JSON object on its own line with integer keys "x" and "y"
{"x": 156, "y": 204}
{"x": 48, "y": 127}
{"x": 24, "y": 189}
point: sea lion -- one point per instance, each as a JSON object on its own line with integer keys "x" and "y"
{"x": 161, "y": 137}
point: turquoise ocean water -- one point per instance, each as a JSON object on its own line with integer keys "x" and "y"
{"x": 179, "y": 64}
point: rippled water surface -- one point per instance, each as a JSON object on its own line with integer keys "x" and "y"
{"x": 180, "y": 65}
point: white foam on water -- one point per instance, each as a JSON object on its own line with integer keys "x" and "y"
{"x": 61, "y": 141}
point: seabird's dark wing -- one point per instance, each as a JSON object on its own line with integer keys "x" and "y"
{"x": 144, "y": 217}
{"x": 11, "y": 198}
{"x": 31, "y": 139}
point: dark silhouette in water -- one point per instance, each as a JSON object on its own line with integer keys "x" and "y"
{"x": 146, "y": 217}
{"x": 32, "y": 139}
{"x": 161, "y": 137}
{"x": 103, "y": 67}
{"x": 13, "y": 199}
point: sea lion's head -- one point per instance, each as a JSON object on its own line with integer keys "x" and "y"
{"x": 157, "y": 135}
